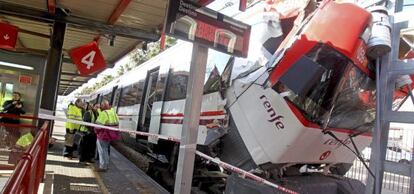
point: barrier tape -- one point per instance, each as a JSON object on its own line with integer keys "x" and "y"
{"x": 217, "y": 161}
{"x": 244, "y": 173}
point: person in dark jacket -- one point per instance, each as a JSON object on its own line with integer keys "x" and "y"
{"x": 12, "y": 107}
{"x": 88, "y": 143}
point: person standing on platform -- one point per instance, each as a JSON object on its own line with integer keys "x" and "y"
{"x": 96, "y": 111}
{"x": 88, "y": 142}
{"x": 12, "y": 107}
{"x": 75, "y": 113}
{"x": 107, "y": 117}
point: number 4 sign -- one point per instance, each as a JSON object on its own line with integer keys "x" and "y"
{"x": 88, "y": 58}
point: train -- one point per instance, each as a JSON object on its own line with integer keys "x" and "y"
{"x": 288, "y": 112}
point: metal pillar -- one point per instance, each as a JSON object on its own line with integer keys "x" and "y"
{"x": 53, "y": 67}
{"x": 185, "y": 165}
{"x": 389, "y": 68}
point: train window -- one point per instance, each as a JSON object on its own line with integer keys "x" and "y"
{"x": 160, "y": 86}
{"x": 116, "y": 97}
{"x": 213, "y": 82}
{"x": 107, "y": 97}
{"x": 131, "y": 94}
{"x": 335, "y": 88}
{"x": 177, "y": 85}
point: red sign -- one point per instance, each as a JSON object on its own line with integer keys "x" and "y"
{"x": 25, "y": 79}
{"x": 88, "y": 58}
{"x": 410, "y": 54}
{"x": 325, "y": 155}
{"x": 8, "y": 36}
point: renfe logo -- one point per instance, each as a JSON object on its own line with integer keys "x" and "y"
{"x": 277, "y": 119}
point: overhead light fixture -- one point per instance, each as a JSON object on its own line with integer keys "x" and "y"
{"x": 16, "y": 65}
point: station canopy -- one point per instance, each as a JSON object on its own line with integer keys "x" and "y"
{"x": 119, "y": 26}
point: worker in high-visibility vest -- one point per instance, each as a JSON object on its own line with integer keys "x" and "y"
{"x": 88, "y": 142}
{"x": 107, "y": 117}
{"x": 12, "y": 107}
{"x": 22, "y": 144}
{"x": 25, "y": 141}
{"x": 74, "y": 112}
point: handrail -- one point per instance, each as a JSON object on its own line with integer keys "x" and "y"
{"x": 18, "y": 125}
{"x": 8, "y": 115}
{"x": 27, "y": 176}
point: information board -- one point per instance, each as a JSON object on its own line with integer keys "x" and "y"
{"x": 190, "y": 21}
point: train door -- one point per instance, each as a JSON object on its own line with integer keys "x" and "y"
{"x": 149, "y": 97}
{"x": 158, "y": 104}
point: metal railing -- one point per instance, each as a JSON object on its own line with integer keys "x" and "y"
{"x": 399, "y": 151}
{"x": 29, "y": 171}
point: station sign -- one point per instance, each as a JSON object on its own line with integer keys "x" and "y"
{"x": 88, "y": 58}
{"x": 8, "y": 36}
{"x": 188, "y": 20}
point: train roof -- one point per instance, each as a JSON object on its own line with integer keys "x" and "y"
{"x": 177, "y": 54}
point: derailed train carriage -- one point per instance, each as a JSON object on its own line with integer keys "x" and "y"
{"x": 286, "y": 116}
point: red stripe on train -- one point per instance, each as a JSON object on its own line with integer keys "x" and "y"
{"x": 309, "y": 124}
{"x": 207, "y": 113}
{"x": 180, "y": 121}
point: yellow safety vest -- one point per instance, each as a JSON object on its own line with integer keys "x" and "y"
{"x": 73, "y": 113}
{"x": 25, "y": 140}
{"x": 84, "y": 128}
{"x": 108, "y": 118}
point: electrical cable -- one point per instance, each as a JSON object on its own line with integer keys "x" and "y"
{"x": 356, "y": 153}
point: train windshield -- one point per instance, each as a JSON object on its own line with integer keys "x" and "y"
{"x": 328, "y": 89}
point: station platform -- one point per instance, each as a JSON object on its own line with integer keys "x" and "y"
{"x": 68, "y": 176}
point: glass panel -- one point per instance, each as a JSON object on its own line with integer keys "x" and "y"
{"x": 131, "y": 94}
{"x": 8, "y": 92}
{"x": 116, "y": 98}
{"x": 213, "y": 82}
{"x": 107, "y": 97}
{"x": 177, "y": 85}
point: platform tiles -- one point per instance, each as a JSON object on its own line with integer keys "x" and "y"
{"x": 64, "y": 176}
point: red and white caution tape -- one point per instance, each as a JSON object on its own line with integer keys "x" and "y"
{"x": 55, "y": 118}
{"x": 217, "y": 161}
{"x": 243, "y": 173}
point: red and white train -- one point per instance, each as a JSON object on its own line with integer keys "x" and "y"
{"x": 278, "y": 115}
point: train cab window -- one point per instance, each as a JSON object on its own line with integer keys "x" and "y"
{"x": 177, "y": 85}
{"x": 131, "y": 94}
{"x": 334, "y": 90}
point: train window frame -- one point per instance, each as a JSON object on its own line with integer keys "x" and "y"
{"x": 116, "y": 97}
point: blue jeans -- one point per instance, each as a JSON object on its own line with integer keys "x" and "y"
{"x": 103, "y": 147}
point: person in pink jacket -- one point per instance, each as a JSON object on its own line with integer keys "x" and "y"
{"x": 107, "y": 117}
